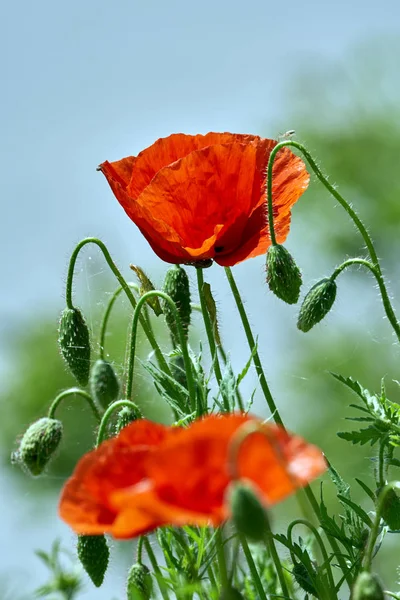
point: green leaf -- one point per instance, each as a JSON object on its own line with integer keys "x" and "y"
{"x": 366, "y": 489}
{"x": 212, "y": 311}
{"x": 244, "y": 372}
{"x": 357, "y": 509}
{"x": 364, "y": 436}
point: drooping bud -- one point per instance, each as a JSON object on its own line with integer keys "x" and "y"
{"x": 104, "y": 384}
{"x": 230, "y": 593}
{"x": 74, "y": 343}
{"x": 139, "y": 583}
{"x": 125, "y": 416}
{"x": 147, "y": 286}
{"x": 283, "y": 275}
{"x": 248, "y": 514}
{"x": 367, "y": 587}
{"x": 317, "y": 304}
{"x": 391, "y": 510}
{"x": 94, "y": 554}
{"x": 302, "y": 576}
{"x": 176, "y": 285}
{"x": 38, "y": 445}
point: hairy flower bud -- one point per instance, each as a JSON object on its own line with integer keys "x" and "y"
{"x": 38, "y": 444}
{"x": 317, "y": 304}
{"x": 104, "y": 384}
{"x": 176, "y": 285}
{"x": 367, "y": 587}
{"x": 283, "y": 275}
{"x": 93, "y": 553}
{"x": 230, "y": 593}
{"x": 74, "y": 343}
{"x": 302, "y": 576}
{"x": 125, "y": 416}
{"x": 391, "y": 510}
{"x": 248, "y": 514}
{"x": 139, "y": 583}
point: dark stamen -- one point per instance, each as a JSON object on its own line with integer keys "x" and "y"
{"x": 218, "y": 248}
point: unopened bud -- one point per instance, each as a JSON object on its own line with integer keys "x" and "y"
{"x": 74, "y": 343}
{"x": 176, "y": 285}
{"x": 93, "y": 553}
{"x": 367, "y": 587}
{"x": 248, "y": 514}
{"x": 302, "y": 576}
{"x": 139, "y": 583}
{"x": 147, "y": 286}
{"x": 391, "y": 510}
{"x": 104, "y": 384}
{"x": 317, "y": 304}
{"x": 230, "y": 593}
{"x": 125, "y": 416}
{"x": 38, "y": 444}
{"x": 283, "y": 275}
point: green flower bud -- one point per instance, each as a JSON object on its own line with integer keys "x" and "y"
{"x": 176, "y": 285}
{"x": 104, "y": 384}
{"x": 74, "y": 343}
{"x": 125, "y": 416}
{"x": 283, "y": 275}
{"x": 248, "y": 514}
{"x": 147, "y": 286}
{"x": 230, "y": 593}
{"x": 391, "y": 510}
{"x": 367, "y": 587}
{"x": 317, "y": 304}
{"x": 302, "y": 576}
{"x": 38, "y": 444}
{"x": 139, "y": 583}
{"x": 93, "y": 553}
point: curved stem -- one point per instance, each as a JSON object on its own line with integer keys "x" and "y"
{"x": 208, "y": 326}
{"x": 182, "y": 340}
{"x": 73, "y": 392}
{"x": 92, "y": 240}
{"x": 320, "y": 543}
{"x": 106, "y": 316}
{"x": 253, "y": 569}
{"x": 252, "y": 344}
{"x": 375, "y": 528}
{"x": 139, "y": 549}
{"x": 106, "y": 417}
{"x": 349, "y": 263}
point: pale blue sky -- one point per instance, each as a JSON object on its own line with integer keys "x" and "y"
{"x": 84, "y": 81}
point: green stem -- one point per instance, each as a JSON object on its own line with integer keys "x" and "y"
{"x": 253, "y": 569}
{"x": 73, "y": 392}
{"x": 275, "y": 557}
{"x": 106, "y": 316}
{"x": 381, "y": 463}
{"x": 252, "y": 344}
{"x": 349, "y": 263}
{"x": 106, "y": 417}
{"x": 182, "y": 339}
{"x": 92, "y": 240}
{"x": 209, "y": 327}
{"x": 139, "y": 550}
{"x": 375, "y": 528}
{"x": 223, "y": 570}
{"x": 156, "y": 568}
{"x": 350, "y": 211}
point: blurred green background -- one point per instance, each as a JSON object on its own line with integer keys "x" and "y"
{"x": 345, "y": 109}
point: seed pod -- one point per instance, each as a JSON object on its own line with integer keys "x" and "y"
{"x": 302, "y": 576}
{"x": 147, "y": 286}
{"x": 125, "y": 416}
{"x": 176, "y": 285}
{"x": 283, "y": 275}
{"x": 248, "y": 514}
{"x": 317, "y": 304}
{"x": 74, "y": 343}
{"x": 391, "y": 510}
{"x": 367, "y": 587}
{"x": 104, "y": 384}
{"x": 139, "y": 583}
{"x": 230, "y": 593}
{"x": 38, "y": 444}
{"x": 93, "y": 553}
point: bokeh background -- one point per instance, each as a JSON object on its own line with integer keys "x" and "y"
{"x": 87, "y": 81}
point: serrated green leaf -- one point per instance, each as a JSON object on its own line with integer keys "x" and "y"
{"x": 369, "y": 434}
{"x": 357, "y": 509}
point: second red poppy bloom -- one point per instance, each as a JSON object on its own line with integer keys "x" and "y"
{"x": 201, "y": 197}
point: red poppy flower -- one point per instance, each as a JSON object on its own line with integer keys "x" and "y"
{"x": 201, "y": 197}
{"x": 152, "y": 475}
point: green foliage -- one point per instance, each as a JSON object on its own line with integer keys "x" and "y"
{"x": 94, "y": 554}
{"x": 74, "y": 343}
{"x": 66, "y": 582}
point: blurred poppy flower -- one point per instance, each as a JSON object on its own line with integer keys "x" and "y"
{"x": 202, "y": 197}
{"x": 151, "y": 475}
